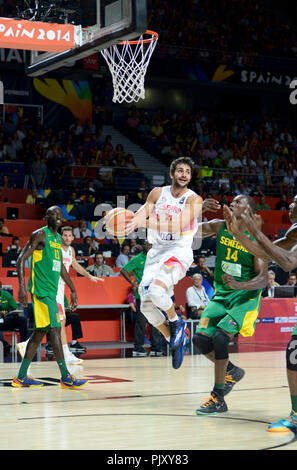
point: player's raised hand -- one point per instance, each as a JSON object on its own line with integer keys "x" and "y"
{"x": 253, "y": 222}
{"x": 231, "y": 221}
{"x": 211, "y": 205}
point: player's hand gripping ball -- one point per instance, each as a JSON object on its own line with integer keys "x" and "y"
{"x": 116, "y": 221}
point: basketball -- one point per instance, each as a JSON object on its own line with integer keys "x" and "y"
{"x": 116, "y": 221}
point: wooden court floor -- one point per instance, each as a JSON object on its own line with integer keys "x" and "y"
{"x": 144, "y": 404}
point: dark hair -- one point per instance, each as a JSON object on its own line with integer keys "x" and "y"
{"x": 292, "y": 274}
{"x": 182, "y": 160}
{"x": 66, "y": 228}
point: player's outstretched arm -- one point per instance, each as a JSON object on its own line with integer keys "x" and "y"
{"x": 209, "y": 228}
{"x": 210, "y": 205}
{"x": 79, "y": 269}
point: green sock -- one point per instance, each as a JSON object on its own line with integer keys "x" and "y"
{"x": 219, "y": 386}
{"x": 63, "y": 368}
{"x": 219, "y": 389}
{"x": 294, "y": 403}
{"x": 24, "y": 368}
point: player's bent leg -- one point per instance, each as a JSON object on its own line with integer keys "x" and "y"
{"x": 203, "y": 343}
{"x": 158, "y": 294}
{"x": 156, "y": 318}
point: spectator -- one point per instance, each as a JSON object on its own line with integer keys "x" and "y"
{"x": 132, "y": 302}
{"x": 292, "y": 279}
{"x": 3, "y": 229}
{"x": 123, "y": 257}
{"x": 15, "y": 246}
{"x": 224, "y": 201}
{"x": 269, "y": 290}
{"x": 33, "y": 197}
{"x": 92, "y": 245}
{"x": 38, "y": 173}
{"x": 135, "y": 248}
{"x": 99, "y": 269}
{"x": 10, "y": 316}
{"x": 204, "y": 270}
{"x": 282, "y": 204}
{"x": 262, "y": 205}
{"x": 114, "y": 247}
{"x": 196, "y": 296}
{"x": 82, "y": 230}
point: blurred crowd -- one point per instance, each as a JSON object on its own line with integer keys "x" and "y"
{"x": 257, "y": 27}
{"x": 231, "y": 153}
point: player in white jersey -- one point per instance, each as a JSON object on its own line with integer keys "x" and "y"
{"x": 69, "y": 259}
{"x": 170, "y": 214}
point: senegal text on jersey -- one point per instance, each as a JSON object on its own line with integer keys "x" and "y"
{"x": 232, "y": 243}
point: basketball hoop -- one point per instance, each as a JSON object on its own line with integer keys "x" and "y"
{"x": 128, "y": 62}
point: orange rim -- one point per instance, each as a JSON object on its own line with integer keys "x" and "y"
{"x": 155, "y": 37}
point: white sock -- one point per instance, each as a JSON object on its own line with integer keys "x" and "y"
{"x": 65, "y": 349}
{"x": 173, "y": 319}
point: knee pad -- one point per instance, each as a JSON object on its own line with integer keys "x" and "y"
{"x": 159, "y": 296}
{"x": 152, "y": 313}
{"x": 220, "y": 345}
{"x": 203, "y": 343}
{"x": 291, "y": 354}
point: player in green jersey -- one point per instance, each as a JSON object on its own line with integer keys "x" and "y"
{"x": 284, "y": 252}
{"x": 47, "y": 266}
{"x": 234, "y": 307}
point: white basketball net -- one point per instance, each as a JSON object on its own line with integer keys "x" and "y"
{"x": 128, "y": 62}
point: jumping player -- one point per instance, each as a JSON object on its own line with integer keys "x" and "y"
{"x": 284, "y": 252}
{"x": 170, "y": 214}
{"x": 44, "y": 246}
{"x": 233, "y": 309}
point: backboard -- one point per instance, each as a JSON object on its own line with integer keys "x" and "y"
{"x": 115, "y": 20}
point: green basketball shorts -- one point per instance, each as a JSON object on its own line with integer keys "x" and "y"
{"x": 232, "y": 311}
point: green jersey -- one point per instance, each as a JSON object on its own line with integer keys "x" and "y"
{"x": 136, "y": 264}
{"x": 7, "y": 302}
{"x": 46, "y": 267}
{"x": 232, "y": 258}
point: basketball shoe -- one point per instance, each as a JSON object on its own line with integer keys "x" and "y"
{"x": 72, "y": 383}
{"x": 177, "y": 333}
{"x": 26, "y": 382}
{"x": 284, "y": 425}
{"x": 234, "y": 376}
{"x": 214, "y": 404}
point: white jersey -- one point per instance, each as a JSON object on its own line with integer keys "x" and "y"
{"x": 168, "y": 207}
{"x": 67, "y": 261}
